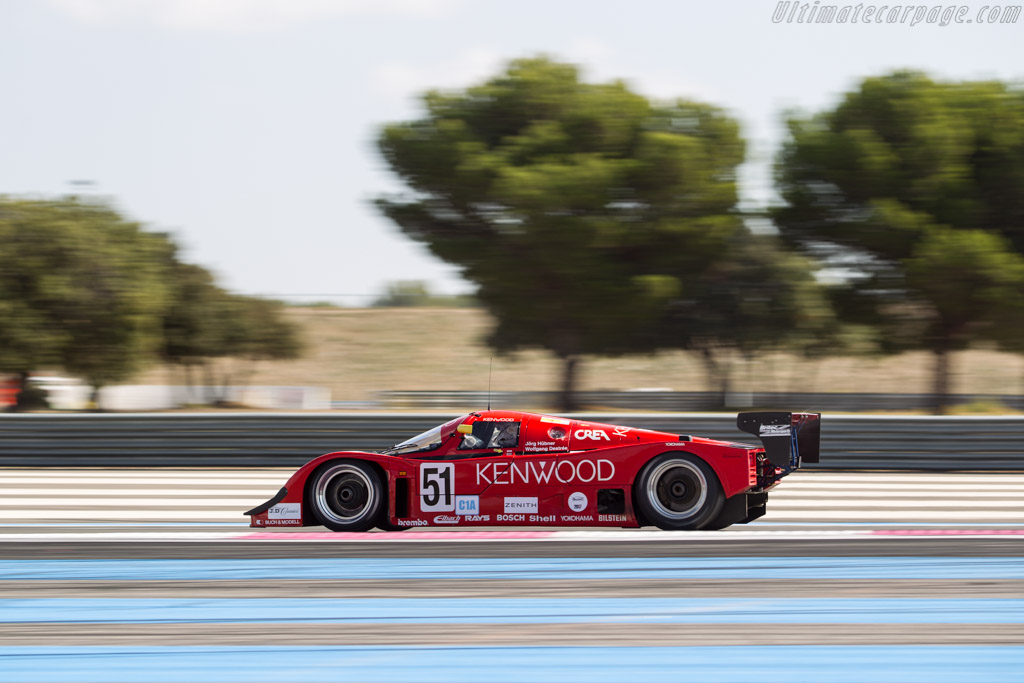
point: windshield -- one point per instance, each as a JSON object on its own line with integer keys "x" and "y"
{"x": 426, "y": 441}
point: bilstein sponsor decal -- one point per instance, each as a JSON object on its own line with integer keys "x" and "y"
{"x": 521, "y": 504}
{"x": 545, "y": 472}
{"x": 611, "y": 518}
{"x": 412, "y": 522}
{"x": 285, "y": 511}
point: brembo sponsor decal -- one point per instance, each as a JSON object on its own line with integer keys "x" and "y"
{"x": 412, "y": 522}
{"x": 545, "y": 472}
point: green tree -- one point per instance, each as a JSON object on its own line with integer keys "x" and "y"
{"x": 911, "y": 187}
{"x": 80, "y": 287}
{"x": 580, "y": 210}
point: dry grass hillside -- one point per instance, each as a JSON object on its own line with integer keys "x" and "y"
{"x": 356, "y": 352}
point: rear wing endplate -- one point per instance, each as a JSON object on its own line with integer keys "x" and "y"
{"x": 789, "y": 438}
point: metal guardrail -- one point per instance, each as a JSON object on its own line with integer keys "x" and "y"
{"x": 274, "y": 439}
{"x": 681, "y": 401}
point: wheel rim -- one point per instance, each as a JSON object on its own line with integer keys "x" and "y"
{"x": 344, "y": 494}
{"x": 677, "y": 489}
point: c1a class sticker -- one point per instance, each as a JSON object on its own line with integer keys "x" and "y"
{"x": 437, "y": 487}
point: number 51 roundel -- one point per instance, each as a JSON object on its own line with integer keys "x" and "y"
{"x": 437, "y": 487}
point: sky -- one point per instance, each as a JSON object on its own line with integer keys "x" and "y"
{"x": 246, "y": 128}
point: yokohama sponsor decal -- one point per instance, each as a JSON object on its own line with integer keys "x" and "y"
{"x": 545, "y": 472}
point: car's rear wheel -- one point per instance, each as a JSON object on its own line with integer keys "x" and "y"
{"x": 347, "y": 495}
{"x": 677, "y": 491}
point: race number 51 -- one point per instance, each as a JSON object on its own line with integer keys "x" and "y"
{"x": 437, "y": 487}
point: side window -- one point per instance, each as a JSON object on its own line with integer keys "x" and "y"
{"x": 491, "y": 435}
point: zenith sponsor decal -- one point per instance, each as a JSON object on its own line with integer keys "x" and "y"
{"x": 285, "y": 511}
{"x": 545, "y": 472}
{"x": 592, "y": 434}
{"x": 412, "y": 522}
{"x": 773, "y": 430}
{"x": 446, "y": 519}
{"x": 523, "y": 504}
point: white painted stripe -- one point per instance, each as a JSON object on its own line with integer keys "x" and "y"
{"x": 818, "y": 515}
{"x": 14, "y": 502}
{"x": 118, "y": 515}
{"x": 987, "y": 502}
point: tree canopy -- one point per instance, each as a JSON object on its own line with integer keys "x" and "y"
{"x": 911, "y": 186}
{"x": 580, "y": 210}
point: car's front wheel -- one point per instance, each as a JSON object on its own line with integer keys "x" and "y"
{"x": 347, "y": 495}
{"x": 678, "y": 491}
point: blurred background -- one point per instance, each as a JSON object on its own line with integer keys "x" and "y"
{"x": 348, "y": 205}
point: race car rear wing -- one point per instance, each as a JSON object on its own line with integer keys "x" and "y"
{"x": 789, "y": 438}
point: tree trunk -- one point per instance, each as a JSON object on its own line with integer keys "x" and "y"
{"x": 940, "y": 386}
{"x": 567, "y": 397}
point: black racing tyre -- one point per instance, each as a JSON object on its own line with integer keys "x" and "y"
{"x": 347, "y": 495}
{"x": 677, "y": 491}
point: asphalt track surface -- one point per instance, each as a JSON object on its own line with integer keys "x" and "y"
{"x": 850, "y": 577}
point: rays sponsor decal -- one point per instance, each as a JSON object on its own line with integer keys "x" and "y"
{"x": 545, "y": 472}
{"x": 773, "y": 430}
{"x": 285, "y": 511}
{"x": 591, "y": 434}
{"x": 577, "y": 501}
{"x": 467, "y": 505}
{"x": 446, "y": 519}
{"x": 518, "y": 505}
{"x": 477, "y": 518}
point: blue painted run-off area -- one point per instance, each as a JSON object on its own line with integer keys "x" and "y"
{"x": 572, "y": 568}
{"x": 764, "y": 664}
{"x": 516, "y": 610}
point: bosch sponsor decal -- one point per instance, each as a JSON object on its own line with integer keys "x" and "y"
{"x": 285, "y": 511}
{"x": 773, "y": 430}
{"x": 544, "y": 472}
{"x": 446, "y": 519}
{"x": 467, "y": 505}
{"x": 437, "y": 487}
{"x": 412, "y": 522}
{"x": 577, "y": 501}
{"x": 555, "y": 420}
{"x": 591, "y": 434}
{"x": 520, "y": 505}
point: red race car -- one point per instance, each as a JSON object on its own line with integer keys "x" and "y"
{"x": 509, "y": 468}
